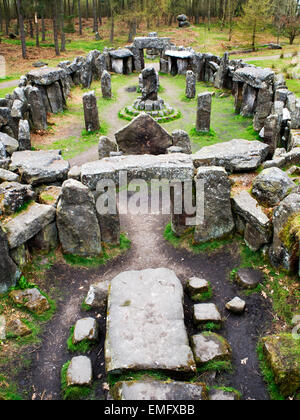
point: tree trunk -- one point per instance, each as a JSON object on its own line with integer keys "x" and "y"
{"x": 87, "y": 9}
{"x": 7, "y": 16}
{"x": 79, "y": 17}
{"x": 209, "y": 13}
{"x": 17, "y": 14}
{"x": 37, "y": 30}
{"x": 22, "y": 31}
{"x": 43, "y": 28}
{"x": 95, "y": 26}
{"x": 254, "y": 35}
{"x": 55, "y": 28}
{"x": 112, "y": 28}
{"x": 100, "y": 12}
{"x": 62, "y": 21}
{"x": 31, "y": 28}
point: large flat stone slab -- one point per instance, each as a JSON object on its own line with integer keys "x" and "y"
{"x": 145, "y": 323}
{"x": 254, "y": 76}
{"x": 46, "y": 76}
{"x": 235, "y": 156}
{"x": 161, "y": 391}
{"x": 40, "y": 167}
{"x": 179, "y": 54}
{"x": 143, "y": 135}
{"x": 28, "y": 224}
{"x": 176, "y": 166}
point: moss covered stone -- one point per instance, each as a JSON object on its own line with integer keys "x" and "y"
{"x": 283, "y": 355}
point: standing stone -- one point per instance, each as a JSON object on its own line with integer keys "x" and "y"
{"x": 204, "y": 112}
{"x": 145, "y": 323}
{"x": 55, "y": 97}
{"x": 24, "y": 137}
{"x": 91, "y": 114}
{"x": 100, "y": 65}
{"x": 181, "y": 139}
{"x": 38, "y": 112}
{"x": 222, "y": 73}
{"x": 249, "y": 100}
{"x": 150, "y": 84}
{"x": 106, "y": 85}
{"x": 109, "y": 223}
{"x": 284, "y": 251}
{"x": 2, "y": 151}
{"x": 106, "y": 146}
{"x": 77, "y": 223}
{"x": 218, "y": 220}
{"x": 8, "y": 269}
{"x": 271, "y": 132}
{"x": 46, "y": 240}
{"x": 190, "y": 85}
{"x": 264, "y": 107}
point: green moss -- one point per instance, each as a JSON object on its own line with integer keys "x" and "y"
{"x": 136, "y": 376}
{"x": 83, "y": 347}
{"x": 108, "y": 252}
{"x": 203, "y": 297}
{"x": 218, "y": 366}
{"x": 73, "y": 393}
{"x": 210, "y": 326}
{"x": 22, "y": 208}
{"x": 268, "y": 375}
{"x": 85, "y": 307}
{"x": 229, "y": 389}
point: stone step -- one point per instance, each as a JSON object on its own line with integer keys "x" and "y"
{"x": 149, "y": 390}
{"x": 145, "y": 323}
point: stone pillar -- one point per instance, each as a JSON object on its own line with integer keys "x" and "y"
{"x": 222, "y": 73}
{"x": 190, "y": 85}
{"x": 264, "y": 107}
{"x": 24, "y": 137}
{"x": 77, "y": 222}
{"x": 164, "y": 66}
{"x": 271, "y": 133}
{"x": 181, "y": 139}
{"x": 238, "y": 96}
{"x": 38, "y": 113}
{"x": 106, "y": 85}
{"x": 91, "y": 114}
{"x": 150, "y": 84}
{"x": 249, "y": 101}
{"x": 204, "y": 112}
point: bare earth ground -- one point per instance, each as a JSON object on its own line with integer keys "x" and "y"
{"x": 150, "y": 250}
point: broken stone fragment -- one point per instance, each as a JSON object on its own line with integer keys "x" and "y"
{"x": 271, "y": 186}
{"x": 236, "y": 305}
{"x": 97, "y": 296}
{"x": 197, "y": 286}
{"x": 249, "y": 278}
{"x": 106, "y": 146}
{"x": 220, "y": 394}
{"x": 206, "y": 313}
{"x": 18, "y": 328}
{"x": 85, "y": 329}
{"x": 11, "y": 144}
{"x": 13, "y": 196}
{"x": 80, "y": 372}
{"x": 8, "y": 176}
{"x": 208, "y": 347}
{"x": 2, "y": 327}
{"x": 31, "y": 299}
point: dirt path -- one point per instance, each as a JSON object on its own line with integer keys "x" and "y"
{"x": 268, "y": 57}
{"x": 10, "y": 83}
{"x": 150, "y": 250}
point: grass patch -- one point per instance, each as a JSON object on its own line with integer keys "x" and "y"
{"x": 108, "y": 252}
{"x": 210, "y": 326}
{"x": 203, "y": 297}
{"x": 73, "y": 393}
{"x": 268, "y": 375}
{"x": 218, "y": 366}
{"x": 85, "y": 307}
{"x": 282, "y": 289}
{"x": 8, "y": 391}
{"x": 229, "y": 389}
{"x": 83, "y": 347}
{"x": 187, "y": 241}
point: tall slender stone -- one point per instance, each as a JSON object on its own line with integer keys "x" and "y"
{"x": 24, "y": 137}
{"x": 91, "y": 114}
{"x": 106, "y": 85}
{"x": 190, "y": 85}
{"x": 204, "y": 112}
